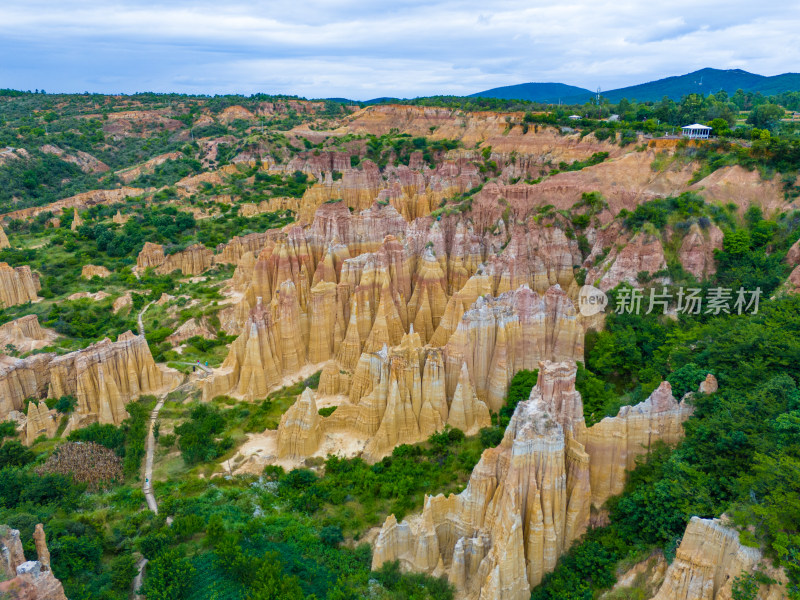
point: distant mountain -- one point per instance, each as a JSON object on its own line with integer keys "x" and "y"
{"x": 535, "y": 92}
{"x": 705, "y": 81}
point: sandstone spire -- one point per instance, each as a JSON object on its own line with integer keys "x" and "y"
{"x": 41, "y": 421}
{"x": 18, "y": 285}
{"x": 526, "y": 501}
{"x": 299, "y": 433}
{"x": 529, "y": 498}
{"x": 467, "y": 413}
{"x": 76, "y": 221}
{"x": 707, "y": 562}
{"x": 4, "y": 243}
{"x": 614, "y": 443}
{"x": 41, "y": 546}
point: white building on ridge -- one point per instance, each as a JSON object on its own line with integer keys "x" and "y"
{"x": 696, "y": 131}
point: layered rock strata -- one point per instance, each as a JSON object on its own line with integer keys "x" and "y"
{"x": 404, "y": 393}
{"x": 528, "y": 498}
{"x": 300, "y": 433}
{"x": 22, "y": 579}
{"x": 372, "y": 278}
{"x": 18, "y": 285}
{"x": 192, "y": 261}
{"x": 526, "y": 501}
{"x": 40, "y": 421}
{"x": 103, "y": 377}
{"x": 642, "y": 254}
{"x": 25, "y": 335}
{"x": 707, "y": 562}
{"x": 90, "y": 271}
{"x": 615, "y": 442}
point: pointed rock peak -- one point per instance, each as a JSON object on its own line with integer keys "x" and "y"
{"x": 463, "y": 376}
{"x": 662, "y": 398}
{"x": 307, "y": 397}
{"x": 126, "y": 336}
{"x": 709, "y": 385}
{"x": 428, "y": 254}
{"x": 411, "y": 340}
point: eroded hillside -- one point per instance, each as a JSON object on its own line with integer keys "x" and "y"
{"x": 309, "y": 296}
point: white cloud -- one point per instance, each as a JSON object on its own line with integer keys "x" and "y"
{"x": 361, "y": 50}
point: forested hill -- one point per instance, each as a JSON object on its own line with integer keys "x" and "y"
{"x": 535, "y": 92}
{"x": 704, "y": 81}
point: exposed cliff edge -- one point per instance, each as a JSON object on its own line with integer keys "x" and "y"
{"x": 25, "y": 334}
{"x": 18, "y": 285}
{"x": 707, "y": 562}
{"x": 404, "y": 393}
{"x": 615, "y": 442}
{"x": 22, "y": 579}
{"x": 4, "y": 243}
{"x": 103, "y": 377}
{"x": 192, "y": 261}
{"x": 359, "y": 282}
{"x": 527, "y": 499}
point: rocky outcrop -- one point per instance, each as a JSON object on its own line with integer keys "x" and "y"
{"x": 121, "y": 303}
{"x": 697, "y": 250}
{"x": 792, "y": 283}
{"x": 792, "y": 255}
{"x": 299, "y": 434}
{"x": 403, "y": 393}
{"x": 90, "y": 271}
{"x": 76, "y": 221}
{"x": 499, "y": 336}
{"x": 129, "y": 174}
{"x": 119, "y": 218}
{"x": 4, "y": 243}
{"x": 615, "y": 442}
{"x": 192, "y": 261}
{"x": 24, "y": 335}
{"x": 83, "y": 160}
{"x": 18, "y": 285}
{"x": 526, "y": 501}
{"x": 96, "y": 296}
{"x": 643, "y": 253}
{"x": 22, "y": 579}
{"x": 103, "y": 377}
{"x": 41, "y": 421}
{"x": 21, "y": 379}
{"x": 106, "y": 376}
{"x": 707, "y": 562}
{"x": 529, "y": 497}
{"x": 269, "y": 349}
{"x": 709, "y": 385}
{"x": 151, "y": 255}
{"x": 190, "y": 328}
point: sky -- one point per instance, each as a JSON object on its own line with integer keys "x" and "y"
{"x": 362, "y": 50}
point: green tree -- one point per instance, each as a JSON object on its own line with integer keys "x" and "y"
{"x": 169, "y": 576}
{"x": 269, "y": 582}
{"x": 765, "y": 116}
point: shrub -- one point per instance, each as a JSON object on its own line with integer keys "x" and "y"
{"x": 491, "y": 436}
{"x": 197, "y": 437}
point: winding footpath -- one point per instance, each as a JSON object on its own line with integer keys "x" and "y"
{"x": 147, "y": 483}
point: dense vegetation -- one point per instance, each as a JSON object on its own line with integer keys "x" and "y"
{"x": 741, "y": 454}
